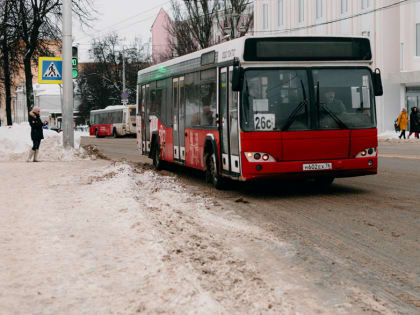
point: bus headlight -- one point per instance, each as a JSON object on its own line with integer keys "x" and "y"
{"x": 259, "y": 157}
{"x": 370, "y": 152}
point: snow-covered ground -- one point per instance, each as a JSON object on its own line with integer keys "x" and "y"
{"x": 392, "y": 136}
{"x": 15, "y": 142}
{"x": 100, "y": 237}
{"x": 82, "y": 236}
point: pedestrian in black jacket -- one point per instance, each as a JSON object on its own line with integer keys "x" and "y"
{"x": 36, "y": 133}
{"x": 414, "y": 122}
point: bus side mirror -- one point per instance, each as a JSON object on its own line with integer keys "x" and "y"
{"x": 237, "y": 79}
{"x": 377, "y": 83}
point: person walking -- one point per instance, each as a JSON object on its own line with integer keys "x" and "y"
{"x": 414, "y": 123}
{"x": 36, "y": 133}
{"x": 402, "y": 122}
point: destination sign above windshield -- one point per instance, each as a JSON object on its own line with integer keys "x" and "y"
{"x": 307, "y": 49}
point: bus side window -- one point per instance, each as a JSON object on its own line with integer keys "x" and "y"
{"x": 167, "y": 103}
{"x": 160, "y": 97}
{"x": 192, "y": 92}
{"x": 152, "y": 98}
{"x": 208, "y": 104}
{"x": 208, "y": 97}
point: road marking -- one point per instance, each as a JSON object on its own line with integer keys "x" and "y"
{"x": 397, "y": 156}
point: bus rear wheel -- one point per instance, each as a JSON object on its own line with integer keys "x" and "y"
{"x": 212, "y": 175}
{"x": 157, "y": 162}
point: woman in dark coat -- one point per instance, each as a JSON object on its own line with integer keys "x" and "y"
{"x": 36, "y": 133}
{"x": 414, "y": 122}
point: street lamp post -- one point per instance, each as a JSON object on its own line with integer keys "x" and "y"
{"x": 123, "y": 60}
{"x": 123, "y": 72}
{"x": 67, "y": 113}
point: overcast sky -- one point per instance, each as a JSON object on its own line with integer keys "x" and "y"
{"x": 128, "y": 18}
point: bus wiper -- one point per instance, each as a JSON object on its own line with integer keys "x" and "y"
{"x": 334, "y": 116}
{"x": 296, "y": 111}
{"x": 293, "y": 116}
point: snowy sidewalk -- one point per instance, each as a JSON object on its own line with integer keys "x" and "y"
{"x": 87, "y": 237}
{"x": 82, "y": 236}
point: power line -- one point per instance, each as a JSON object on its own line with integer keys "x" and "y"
{"x": 126, "y": 19}
{"x": 336, "y": 20}
{"x": 161, "y": 5}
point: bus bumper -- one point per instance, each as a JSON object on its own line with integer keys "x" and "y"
{"x": 294, "y": 169}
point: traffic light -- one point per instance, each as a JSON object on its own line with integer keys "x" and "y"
{"x": 74, "y": 62}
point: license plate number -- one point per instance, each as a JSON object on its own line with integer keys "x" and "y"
{"x": 317, "y": 166}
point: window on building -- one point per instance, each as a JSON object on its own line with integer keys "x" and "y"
{"x": 344, "y": 6}
{"x": 365, "y": 4}
{"x": 280, "y": 11}
{"x": 265, "y": 16}
{"x": 319, "y": 9}
{"x": 418, "y": 39}
{"x": 301, "y": 12}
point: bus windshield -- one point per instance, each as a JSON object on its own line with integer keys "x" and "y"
{"x": 284, "y": 100}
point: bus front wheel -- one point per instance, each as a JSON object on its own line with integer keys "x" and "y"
{"x": 212, "y": 174}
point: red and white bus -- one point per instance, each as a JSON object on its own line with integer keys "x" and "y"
{"x": 260, "y": 107}
{"x": 116, "y": 121}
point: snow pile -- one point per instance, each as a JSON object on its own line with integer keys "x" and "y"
{"x": 393, "y": 137}
{"x": 190, "y": 256}
{"x": 389, "y": 135}
{"x": 15, "y": 142}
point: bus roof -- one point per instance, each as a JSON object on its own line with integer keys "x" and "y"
{"x": 343, "y": 49}
{"x": 113, "y": 108}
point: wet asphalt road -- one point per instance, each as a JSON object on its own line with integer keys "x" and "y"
{"x": 362, "y": 235}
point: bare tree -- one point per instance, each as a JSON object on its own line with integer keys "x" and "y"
{"x": 201, "y": 15}
{"x": 180, "y": 41}
{"x": 236, "y": 18}
{"x": 192, "y": 24}
{"x": 8, "y": 53}
{"x": 39, "y": 29}
{"x": 100, "y": 82}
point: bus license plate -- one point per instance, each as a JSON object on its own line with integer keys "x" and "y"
{"x": 317, "y": 166}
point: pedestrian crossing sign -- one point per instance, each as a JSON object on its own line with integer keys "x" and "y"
{"x": 50, "y": 70}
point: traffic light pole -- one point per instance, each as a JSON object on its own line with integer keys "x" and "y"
{"x": 67, "y": 114}
{"x": 123, "y": 60}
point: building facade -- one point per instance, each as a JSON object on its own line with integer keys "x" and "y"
{"x": 393, "y": 27}
{"x": 161, "y": 41}
{"x": 162, "y": 49}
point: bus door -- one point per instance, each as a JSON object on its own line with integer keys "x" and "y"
{"x": 146, "y": 128}
{"x": 228, "y": 113}
{"x": 140, "y": 119}
{"x": 179, "y": 118}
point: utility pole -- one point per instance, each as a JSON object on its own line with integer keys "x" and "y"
{"x": 123, "y": 60}
{"x": 67, "y": 118}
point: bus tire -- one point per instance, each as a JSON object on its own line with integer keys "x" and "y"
{"x": 114, "y": 133}
{"x": 157, "y": 161}
{"x": 212, "y": 175}
{"x": 96, "y": 133}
